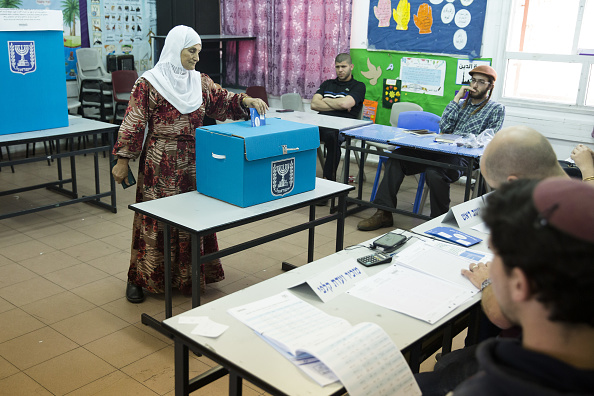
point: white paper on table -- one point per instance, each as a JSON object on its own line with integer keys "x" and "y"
{"x": 367, "y": 362}
{"x": 287, "y": 323}
{"x": 204, "y": 326}
{"x": 310, "y": 365}
{"x": 443, "y": 260}
{"x": 412, "y": 293}
{"x": 336, "y": 280}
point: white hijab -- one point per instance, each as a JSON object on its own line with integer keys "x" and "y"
{"x": 182, "y": 88}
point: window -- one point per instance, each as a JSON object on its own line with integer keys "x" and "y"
{"x": 550, "y": 52}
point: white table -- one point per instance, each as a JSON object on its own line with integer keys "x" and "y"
{"x": 78, "y": 127}
{"x": 398, "y": 137}
{"x": 201, "y": 215}
{"x": 323, "y": 121}
{"x": 243, "y": 354}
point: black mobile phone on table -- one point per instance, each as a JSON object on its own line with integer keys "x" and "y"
{"x": 130, "y": 177}
{"x": 284, "y": 111}
{"x": 389, "y": 242}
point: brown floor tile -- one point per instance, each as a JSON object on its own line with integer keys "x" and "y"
{"x": 58, "y": 307}
{"x": 116, "y": 383}
{"x": 21, "y": 384}
{"x": 49, "y": 262}
{"x": 49, "y": 228}
{"x": 102, "y": 229}
{"x": 26, "y": 250}
{"x": 15, "y": 273}
{"x": 5, "y": 261}
{"x": 156, "y": 371}
{"x": 66, "y": 239}
{"x": 9, "y": 237}
{"x": 101, "y": 291}
{"x": 29, "y": 291}
{"x": 89, "y": 326}
{"x": 90, "y": 250}
{"x": 35, "y": 347}
{"x": 131, "y": 313}
{"x": 113, "y": 263}
{"x": 5, "y": 305}
{"x": 75, "y": 276}
{"x": 69, "y": 371}
{"x": 121, "y": 240}
{"x": 17, "y": 322}
{"x": 125, "y": 346}
{"x": 6, "y": 369}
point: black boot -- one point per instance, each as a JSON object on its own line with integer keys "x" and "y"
{"x": 134, "y": 293}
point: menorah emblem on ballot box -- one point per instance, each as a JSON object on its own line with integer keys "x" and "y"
{"x": 25, "y": 51}
{"x": 283, "y": 176}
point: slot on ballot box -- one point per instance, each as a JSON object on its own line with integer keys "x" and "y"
{"x": 246, "y": 166}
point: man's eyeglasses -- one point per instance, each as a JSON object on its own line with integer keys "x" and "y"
{"x": 480, "y": 82}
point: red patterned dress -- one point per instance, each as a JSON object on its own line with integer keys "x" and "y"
{"x": 167, "y": 166}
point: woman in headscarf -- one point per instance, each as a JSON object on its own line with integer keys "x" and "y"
{"x": 170, "y": 102}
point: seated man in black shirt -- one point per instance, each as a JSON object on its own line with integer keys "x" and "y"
{"x": 340, "y": 97}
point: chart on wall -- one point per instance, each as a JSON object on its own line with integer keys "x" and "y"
{"x": 430, "y": 26}
{"x": 123, "y": 27}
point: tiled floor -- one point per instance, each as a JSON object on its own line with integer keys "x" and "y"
{"x": 65, "y": 325}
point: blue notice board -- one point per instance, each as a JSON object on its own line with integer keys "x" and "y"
{"x": 429, "y": 26}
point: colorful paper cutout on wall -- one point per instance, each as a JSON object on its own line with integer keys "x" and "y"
{"x": 402, "y": 15}
{"x": 382, "y": 12}
{"x": 424, "y": 18}
{"x": 391, "y": 93}
{"x": 372, "y": 73}
{"x": 442, "y": 27}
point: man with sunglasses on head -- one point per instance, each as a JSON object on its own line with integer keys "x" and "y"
{"x": 460, "y": 117}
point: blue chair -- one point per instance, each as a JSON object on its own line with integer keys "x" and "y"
{"x": 411, "y": 120}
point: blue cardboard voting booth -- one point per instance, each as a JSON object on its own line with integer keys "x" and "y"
{"x": 32, "y": 71}
{"x": 246, "y": 165}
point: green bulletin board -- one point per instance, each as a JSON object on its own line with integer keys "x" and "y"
{"x": 386, "y": 64}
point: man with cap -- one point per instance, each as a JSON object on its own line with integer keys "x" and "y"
{"x": 542, "y": 276}
{"x": 460, "y": 117}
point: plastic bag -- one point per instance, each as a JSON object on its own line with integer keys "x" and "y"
{"x": 474, "y": 141}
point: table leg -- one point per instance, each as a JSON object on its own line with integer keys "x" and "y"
{"x": 195, "y": 270}
{"x": 96, "y": 164}
{"x": 468, "y": 179}
{"x": 112, "y": 183}
{"x": 167, "y": 269}
{"x": 234, "y": 384}
{"x": 182, "y": 369}
{"x": 340, "y": 222}
{"x": 347, "y": 154}
{"x": 311, "y": 234}
{"x": 73, "y": 175}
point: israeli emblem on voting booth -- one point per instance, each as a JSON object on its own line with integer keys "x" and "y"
{"x": 283, "y": 176}
{"x": 21, "y": 55}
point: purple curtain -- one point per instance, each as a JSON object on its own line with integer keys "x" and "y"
{"x": 296, "y": 42}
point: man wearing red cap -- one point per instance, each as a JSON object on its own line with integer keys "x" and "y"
{"x": 461, "y": 117}
{"x": 542, "y": 237}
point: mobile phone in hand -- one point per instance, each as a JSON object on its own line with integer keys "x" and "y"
{"x": 130, "y": 177}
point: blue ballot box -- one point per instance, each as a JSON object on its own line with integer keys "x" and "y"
{"x": 32, "y": 71}
{"x": 246, "y": 165}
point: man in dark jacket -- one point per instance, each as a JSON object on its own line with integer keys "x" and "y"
{"x": 542, "y": 237}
